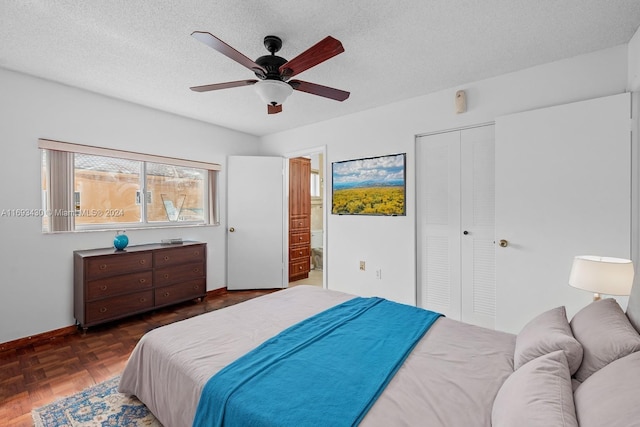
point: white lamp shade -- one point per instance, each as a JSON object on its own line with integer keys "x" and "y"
{"x": 273, "y": 92}
{"x": 605, "y": 275}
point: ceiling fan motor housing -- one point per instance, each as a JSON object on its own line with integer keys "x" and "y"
{"x": 271, "y": 63}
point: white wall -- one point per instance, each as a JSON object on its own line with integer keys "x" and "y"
{"x": 36, "y": 277}
{"x": 633, "y": 85}
{"x": 389, "y": 243}
{"x": 633, "y": 68}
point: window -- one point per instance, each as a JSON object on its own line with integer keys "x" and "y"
{"x": 179, "y": 192}
{"x": 83, "y": 189}
{"x": 315, "y": 184}
{"x": 106, "y": 188}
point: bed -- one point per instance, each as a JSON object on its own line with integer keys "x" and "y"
{"x": 551, "y": 373}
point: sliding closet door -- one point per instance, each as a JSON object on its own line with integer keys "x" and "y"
{"x": 563, "y": 177}
{"x": 438, "y": 216}
{"x": 455, "y": 184}
{"x": 478, "y": 225}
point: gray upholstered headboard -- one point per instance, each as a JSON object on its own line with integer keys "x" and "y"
{"x": 633, "y": 308}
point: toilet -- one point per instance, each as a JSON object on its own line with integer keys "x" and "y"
{"x": 316, "y": 249}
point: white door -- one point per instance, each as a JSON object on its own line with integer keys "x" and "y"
{"x": 563, "y": 181}
{"x": 255, "y": 223}
{"x": 438, "y": 216}
{"x": 455, "y": 182}
{"x": 477, "y": 219}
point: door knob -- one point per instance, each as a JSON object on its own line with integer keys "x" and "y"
{"x": 503, "y": 243}
{"x": 231, "y": 230}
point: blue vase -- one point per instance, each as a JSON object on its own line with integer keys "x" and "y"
{"x": 120, "y": 241}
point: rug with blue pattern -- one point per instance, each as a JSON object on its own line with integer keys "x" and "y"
{"x": 99, "y": 406}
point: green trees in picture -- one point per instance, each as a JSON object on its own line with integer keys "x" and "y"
{"x": 371, "y": 186}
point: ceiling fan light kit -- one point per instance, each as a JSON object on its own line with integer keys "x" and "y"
{"x": 274, "y": 72}
{"x": 273, "y": 92}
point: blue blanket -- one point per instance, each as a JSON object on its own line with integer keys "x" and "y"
{"x": 327, "y": 370}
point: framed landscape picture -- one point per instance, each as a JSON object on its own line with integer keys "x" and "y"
{"x": 369, "y": 186}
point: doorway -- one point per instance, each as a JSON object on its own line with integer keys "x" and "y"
{"x": 317, "y": 216}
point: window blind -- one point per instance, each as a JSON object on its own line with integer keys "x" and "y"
{"x": 123, "y": 154}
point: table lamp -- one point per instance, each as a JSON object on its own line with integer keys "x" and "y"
{"x": 602, "y": 275}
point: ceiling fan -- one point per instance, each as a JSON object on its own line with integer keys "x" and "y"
{"x": 274, "y": 72}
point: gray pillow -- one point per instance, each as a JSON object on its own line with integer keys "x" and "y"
{"x": 610, "y": 396}
{"x": 605, "y": 334}
{"x": 544, "y": 334}
{"x": 538, "y": 394}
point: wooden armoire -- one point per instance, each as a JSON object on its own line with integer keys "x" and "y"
{"x": 299, "y": 218}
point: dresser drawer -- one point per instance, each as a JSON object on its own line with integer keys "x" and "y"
{"x": 115, "y": 285}
{"x": 181, "y": 255}
{"x": 299, "y": 238}
{"x": 299, "y": 252}
{"x": 299, "y": 267}
{"x": 115, "y": 307}
{"x": 111, "y": 265}
{"x": 299, "y": 221}
{"x": 180, "y": 292}
{"x": 178, "y": 273}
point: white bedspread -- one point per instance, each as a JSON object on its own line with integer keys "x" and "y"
{"x": 450, "y": 378}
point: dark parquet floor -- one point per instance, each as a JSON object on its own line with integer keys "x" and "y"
{"x": 40, "y": 373}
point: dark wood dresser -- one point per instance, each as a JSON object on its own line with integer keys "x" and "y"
{"x": 111, "y": 284}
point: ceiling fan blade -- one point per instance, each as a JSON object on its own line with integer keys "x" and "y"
{"x": 218, "y": 86}
{"x": 217, "y": 44}
{"x": 316, "y": 89}
{"x": 325, "y": 49}
{"x": 274, "y": 109}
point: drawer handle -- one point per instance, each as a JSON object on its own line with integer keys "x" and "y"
{"x": 196, "y": 287}
{"x": 103, "y": 309}
{"x": 103, "y": 266}
{"x": 300, "y": 267}
{"x": 143, "y": 261}
{"x": 143, "y": 299}
{"x": 143, "y": 280}
{"x": 196, "y": 253}
{"x": 300, "y": 238}
{"x": 300, "y": 252}
{"x": 166, "y": 258}
{"x": 166, "y": 275}
{"x": 300, "y": 224}
{"x": 196, "y": 270}
{"x": 166, "y": 294}
{"x": 103, "y": 287}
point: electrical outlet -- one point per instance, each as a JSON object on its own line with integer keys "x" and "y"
{"x": 379, "y": 274}
{"x": 362, "y": 266}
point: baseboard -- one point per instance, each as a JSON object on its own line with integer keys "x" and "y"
{"x": 67, "y": 330}
{"x": 216, "y": 292}
{"x": 38, "y": 338}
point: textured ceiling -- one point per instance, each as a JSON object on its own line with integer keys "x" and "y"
{"x": 141, "y": 50}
